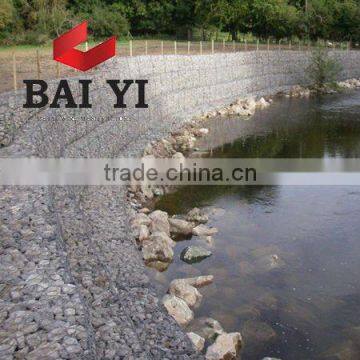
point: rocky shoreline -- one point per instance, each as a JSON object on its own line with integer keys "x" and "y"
{"x": 156, "y": 232}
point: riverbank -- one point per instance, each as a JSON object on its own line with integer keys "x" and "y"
{"x": 73, "y": 281}
{"x": 157, "y": 232}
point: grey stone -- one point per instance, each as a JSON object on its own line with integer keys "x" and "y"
{"x": 180, "y": 227}
{"x": 193, "y": 254}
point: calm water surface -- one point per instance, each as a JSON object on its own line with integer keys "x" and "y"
{"x": 286, "y": 260}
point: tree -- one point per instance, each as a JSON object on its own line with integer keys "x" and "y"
{"x": 107, "y": 20}
{"x": 346, "y": 21}
{"x": 6, "y": 13}
{"x": 210, "y": 15}
{"x": 237, "y": 13}
{"x": 274, "y": 17}
{"x": 184, "y": 17}
{"x": 322, "y": 69}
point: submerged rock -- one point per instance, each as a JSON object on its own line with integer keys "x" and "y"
{"x": 159, "y": 222}
{"x": 197, "y": 340}
{"x": 197, "y": 216}
{"x": 207, "y": 328}
{"x": 225, "y": 347}
{"x": 180, "y": 227}
{"x": 268, "y": 263}
{"x": 192, "y": 254}
{"x": 343, "y": 351}
{"x": 257, "y": 333}
{"x": 200, "y": 281}
{"x": 178, "y": 309}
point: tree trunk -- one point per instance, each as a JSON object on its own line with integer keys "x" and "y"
{"x": 233, "y": 34}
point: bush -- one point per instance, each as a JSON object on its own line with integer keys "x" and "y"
{"x": 322, "y": 69}
{"x": 107, "y": 21}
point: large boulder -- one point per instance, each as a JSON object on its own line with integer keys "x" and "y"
{"x": 193, "y": 254}
{"x": 197, "y": 341}
{"x": 225, "y": 347}
{"x": 158, "y": 248}
{"x": 178, "y": 309}
{"x": 180, "y": 227}
{"x": 188, "y": 293}
{"x": 202, "y": 230}
{"x": 140, "y": 219}
{"x": 186, "y": 289}
{"x": 262, "y": 103}
{"x": 240, "y": 110}
{"x": 197, "y": 216}
{"x": 144, "y": 233}
{"x": 185, "y": 140}
{"x": 159, "y": 222}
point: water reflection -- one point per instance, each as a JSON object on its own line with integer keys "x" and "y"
{"x": 286, "y": 259}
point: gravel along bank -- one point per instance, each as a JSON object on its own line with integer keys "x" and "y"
{"x": 72, "y": 283}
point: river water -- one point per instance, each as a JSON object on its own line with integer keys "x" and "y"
{"x": 286, "y": 259}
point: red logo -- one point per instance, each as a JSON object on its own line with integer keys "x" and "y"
{"x": 64, "y": 52}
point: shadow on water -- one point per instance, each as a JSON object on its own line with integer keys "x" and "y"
{"x": 286, "y": 259}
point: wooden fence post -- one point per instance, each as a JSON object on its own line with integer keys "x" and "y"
{"x": 212, "y": 46}
{"x": 14, "y": 71}
{"x": 162, "y": 47}
{"x": 234, "y": 45}
{"x": 146, "y": 47}
{"x": 130, "y": 48}
{"x": 348, "y": 46}
{"x": 175, "y": 47}
{"x": 245, "y": 45}
{"x": 268, "y": 44}
{"x": 201, "y": 48}
{"x": 38, "y": 63}
{"x": 223, "y": 44}
{"x": 57, "y": 69}
{"x": 188, "y": 47}
{"x": 257, "y": 45}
